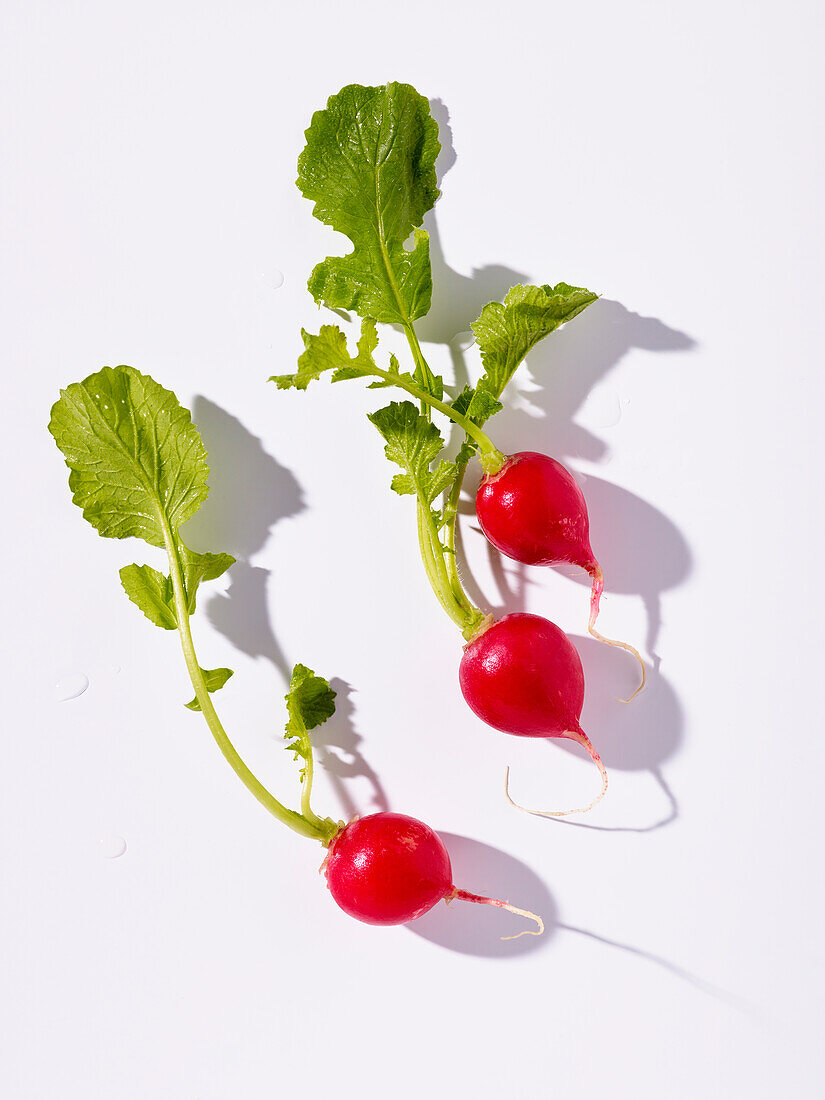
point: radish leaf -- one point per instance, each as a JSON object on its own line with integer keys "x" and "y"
{"x": 506, "y": 332}
{"x": 413, "y": 443}
{"x": 369, "y": 167}
{"x": 138, "y": 469}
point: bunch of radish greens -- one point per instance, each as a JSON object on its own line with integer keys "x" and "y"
{"x": 138, "y": 469}
{"x": 369, "y": 168}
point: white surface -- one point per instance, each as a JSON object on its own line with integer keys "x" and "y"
{"x": 666, "y": 155}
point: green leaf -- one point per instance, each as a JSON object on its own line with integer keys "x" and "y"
{"x": 413, "y": 443}
{"x": 215, "y": 678}
{"x": 152, "y": 592}
{"x": 198, "y": 567}
{"x": 369, "y": 167}
{"x": 506, "y": 332}
{"x": 138, "y": 469}
{"x": 310, "y": 701}
{"x": 137, "y": 461}
{"x": 328, "y": 351}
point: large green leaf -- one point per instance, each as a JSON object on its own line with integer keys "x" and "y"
{"x": 138, "y": 468}
{"x": 137, "y": 461}
{"x": 369, "y": 167}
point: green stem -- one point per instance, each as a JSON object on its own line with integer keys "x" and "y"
{"x": 450, "y": 528}
{"x": 440, "y": 560}
{"x": 490, "y": 457}
{"x": 432, "y": 555}
{"x": 421, "y": 363}
{"x": 316, "y": 829}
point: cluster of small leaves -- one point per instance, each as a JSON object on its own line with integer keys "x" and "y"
{"x": 138, "y": 469}
{"x": 414, "y": 443}
{"x": 328, "y": 352}
{"x": 310, "y": 702}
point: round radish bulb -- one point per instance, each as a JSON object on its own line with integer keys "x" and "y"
{"x": 522, "y": 675}
{"x": 389, "y": 869}
{"x": 533, "y": 511}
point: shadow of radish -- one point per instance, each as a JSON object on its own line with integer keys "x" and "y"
{"x": 636, "y": 737}
{"x": 471, "y": 929}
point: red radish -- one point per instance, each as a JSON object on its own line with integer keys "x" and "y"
{"x": 389, "y": 869}
{"x": 522, "y": 675}
{"x": 533, "y": 511}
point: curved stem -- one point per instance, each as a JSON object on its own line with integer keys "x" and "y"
{"x": 490, "y": 456}
{"x": 294, "y": 820}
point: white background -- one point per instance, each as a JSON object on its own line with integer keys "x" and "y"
{"x": 666, "y": 155}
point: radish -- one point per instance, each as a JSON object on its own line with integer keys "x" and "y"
{"x": 390, "y": 869}
{"x": 139, "y": 468}
{"x": 533, "y": 511}
{"x": 368, "y": 167}
{"x": 522, "y": 675}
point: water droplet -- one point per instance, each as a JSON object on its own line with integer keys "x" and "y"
{"x": 112, "y": 847}
{"x": 69, "y": 687}
{"x": 114, "y": 669}
{"x": 463, "y": 340}
{"x": 602, "y": 409}
{"x": 273, "y": 278}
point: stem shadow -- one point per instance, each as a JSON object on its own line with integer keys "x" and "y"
{"x": 250, "y": 492}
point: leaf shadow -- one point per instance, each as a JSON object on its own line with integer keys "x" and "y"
{"x": 250, "y": 493}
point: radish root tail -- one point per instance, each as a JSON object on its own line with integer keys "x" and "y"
{"x": 595, "y": 599}
{"x": 463, "y": 895}
{"x": 584, "y": 740}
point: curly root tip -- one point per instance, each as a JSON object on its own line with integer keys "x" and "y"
{"x": 464, "y": 895}
{"x": 595, "y": 599}
{"x": 584, "y": 740}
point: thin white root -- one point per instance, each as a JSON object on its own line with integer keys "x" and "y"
{"x": 597, "y": 760}
{"x": 595, "y": 599}
{"x": 630, "y": 649}
{"x": 479, "y": 899}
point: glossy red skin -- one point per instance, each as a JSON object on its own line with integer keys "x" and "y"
{"x": 533, "y": 511}
{"x": 388, "y": 869}
{"x": 523, "y": 676}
